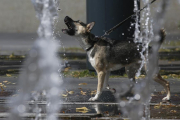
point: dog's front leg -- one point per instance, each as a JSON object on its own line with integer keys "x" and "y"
{"x": 106, "y": 85}
{"x": 101, "y": 76}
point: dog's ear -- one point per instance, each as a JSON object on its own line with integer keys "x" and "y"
{"x": 90, "y": 26}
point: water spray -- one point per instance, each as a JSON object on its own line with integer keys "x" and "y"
{"x": 40, "y": 76}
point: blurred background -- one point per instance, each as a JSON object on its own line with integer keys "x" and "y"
{"x": 18, "y": 23}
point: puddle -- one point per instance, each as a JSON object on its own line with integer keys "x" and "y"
{"x": 104, "y": 110}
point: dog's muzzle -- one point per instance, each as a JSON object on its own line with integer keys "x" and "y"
{"x": 68, "y": 21}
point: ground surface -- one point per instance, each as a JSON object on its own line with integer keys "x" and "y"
{"x": 108, "y": 106}
{"x": 77, "y": 91}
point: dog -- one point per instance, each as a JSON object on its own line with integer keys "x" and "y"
{"x": 107, "y": 55}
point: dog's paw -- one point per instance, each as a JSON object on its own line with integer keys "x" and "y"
{"x": 165, "y": 99}
{"x": 96, "y": 97}
{"x": 93, "y": 99}
{"x": 113, "y": 90}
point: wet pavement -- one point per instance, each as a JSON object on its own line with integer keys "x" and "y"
{"x": 77, "y": 91}
{"x": 75, "y": 99}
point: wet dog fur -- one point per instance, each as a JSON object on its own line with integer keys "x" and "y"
{"x": 107, "y": 55}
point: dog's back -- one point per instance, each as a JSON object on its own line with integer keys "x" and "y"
{"x": 121, "y": 52}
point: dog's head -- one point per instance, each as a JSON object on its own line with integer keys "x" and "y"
{"x": 76, "y": 28}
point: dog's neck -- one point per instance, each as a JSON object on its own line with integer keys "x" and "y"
{"x": 87, "y": 41}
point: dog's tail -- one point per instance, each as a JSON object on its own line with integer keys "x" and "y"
{"x": 162, "y": 35}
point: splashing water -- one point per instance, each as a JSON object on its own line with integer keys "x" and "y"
{"x": 146, "y": 34}
{"x": 134, "y": 108}
{"x": 40, "y": 75}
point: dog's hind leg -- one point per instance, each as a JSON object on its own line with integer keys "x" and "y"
{"x": 131, "y": 71}
{"x": 101, "y": 77}
{"x": 106, "y": 84}
{"x": 165, "y": 84}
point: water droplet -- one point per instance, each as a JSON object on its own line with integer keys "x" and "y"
{"x": 122, "y": 104}
{"x": 32, "y": 77}
{"x": 32, "y": 67}
{"x": 33, "y": 53}
{"x": 54, "y": 91}
{"x": 137, "y": 97}
{"x": 21, "y": 108}
{"x": 140, "y": 113}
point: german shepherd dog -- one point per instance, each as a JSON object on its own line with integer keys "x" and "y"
{"x": 107, "y": 55}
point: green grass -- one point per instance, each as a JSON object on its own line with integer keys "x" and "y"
{"x": 87, "y": 73}
{"x": 9, "y": 72}
{"x": 78, "y": 74}
{"x": 73, "y": 58}
{"x": 173, "y": 43}
{"x": 71, "y": 49}
{"x": 177, "y": 50}
{"x": 12, "y": 57}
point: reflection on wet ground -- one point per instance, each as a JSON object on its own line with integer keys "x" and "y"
{"x": 77, "y": 107}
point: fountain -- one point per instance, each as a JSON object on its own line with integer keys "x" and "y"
{"x": 40, "y": 75}
{"x": 41, "y": 78}
{"x": 134, "y": 108}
